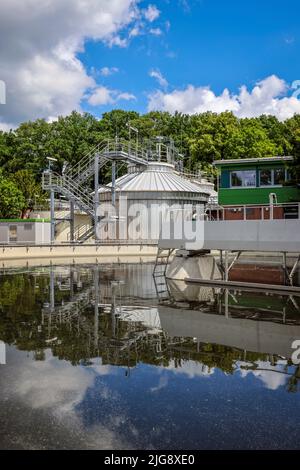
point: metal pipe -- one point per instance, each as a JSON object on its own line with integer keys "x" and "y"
{"x": 72, "y": 220}
{"x": 52, "y": 215}
{"x": 96, "y": 194}
{"x": 96, "y": 312}
{"x": 113, "y": 183}
{"x": 226, "y": 266}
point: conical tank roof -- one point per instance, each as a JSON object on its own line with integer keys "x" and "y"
{"x": 157, "y": 176}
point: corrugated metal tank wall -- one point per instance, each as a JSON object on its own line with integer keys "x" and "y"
{"x": 152, "y": 195}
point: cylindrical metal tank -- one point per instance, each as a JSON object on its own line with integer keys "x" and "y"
{"x": 145, "y": 197}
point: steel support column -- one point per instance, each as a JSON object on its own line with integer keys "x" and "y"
{"x": 96, "y": 196}
{"x": 226, "y": 266}
{"x": 72, "y": 221}
{"x": 113, "y": 183}
{"x": 52, "y": 215}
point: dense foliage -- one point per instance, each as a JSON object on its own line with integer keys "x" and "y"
{"x": 202, "y": 138}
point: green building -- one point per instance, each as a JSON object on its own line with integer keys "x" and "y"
{"x": 258, "y": 182}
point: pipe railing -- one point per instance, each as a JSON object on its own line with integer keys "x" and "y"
{"x": 254, "y": 211}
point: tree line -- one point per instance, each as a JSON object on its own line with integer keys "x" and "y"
{"x": 201, "y": 138}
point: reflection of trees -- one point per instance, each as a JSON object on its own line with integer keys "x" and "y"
{"x": 292, "y": 384}
{"x": 78, "y": 327}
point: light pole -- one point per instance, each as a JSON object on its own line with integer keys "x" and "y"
{"x": 52, "y": 209}
{"x": 134, "y": 129}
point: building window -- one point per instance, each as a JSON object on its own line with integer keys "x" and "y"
{"x": 246, "y": 178}
{"x": 265, "y": 178}
{"x": 279, "y": 176}
{"x": 275, "y": 177}
{"x": 13, "y": 237}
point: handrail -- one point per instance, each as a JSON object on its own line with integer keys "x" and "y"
{"x": 132, "y": 151}
{"x": 65, "y": 184}
{"x": 263, "y": 210}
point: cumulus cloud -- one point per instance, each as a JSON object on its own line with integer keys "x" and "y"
{"x": 272, "y": 377}
{"x": 156, "y": 73}
{"x": 107, "y": 71}
{"x": 39, "y": 49}
{"x": 126, "y": 96}
{"x": 268, "y": 96}
{"x": 191, "y": 369}
{"x": 151, "y": 13}
{"x": 102, "y": 96}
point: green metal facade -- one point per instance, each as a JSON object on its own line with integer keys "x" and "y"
{"x": 256, "y": 194}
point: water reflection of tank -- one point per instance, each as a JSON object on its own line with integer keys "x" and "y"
{"x": 138, "y": 281}
{"x": 152, "y": 192}
{"x": 181, "y": 291}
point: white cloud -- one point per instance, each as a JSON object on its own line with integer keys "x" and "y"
{"x": 102, "y": 96}
{"x": 151, "y": 13}
{"x": 191, "y": 369}
{"x": 39, "y": 47}
{"x": 272, "y": 377}
{"x": 156, "y": 73}
{"x": 136, "y": 31}
{"x": 53, "y": 389}
{"x": 267, "y": 97}
{"x": 126, "y": 97}
{"x": 107, "y": 71}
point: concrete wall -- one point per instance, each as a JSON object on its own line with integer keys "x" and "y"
{"x": 110, "y": 253}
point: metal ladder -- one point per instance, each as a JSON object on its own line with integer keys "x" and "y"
{"x": 159, "y": 273}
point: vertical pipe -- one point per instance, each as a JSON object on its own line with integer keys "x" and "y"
{"x": 226, "y": 265}
{"x": 52, "y": 215}
{"x": 71, "y": 283}
{"x": 226, "y": 300}
{"x": 96, "y": 195}
{"x": 113, "y": 310}
{"x": 113, "y": 183}
{"x": 221, "y": 262}
{"x": 284, "y": 268}
{"x": 52, "y": 291}
{"x": 96, "y": 313}
{"x": 72, "y": 221}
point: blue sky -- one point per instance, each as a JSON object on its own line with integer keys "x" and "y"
{"x": 220, "y": 44}
{"x": 173, "y": 55}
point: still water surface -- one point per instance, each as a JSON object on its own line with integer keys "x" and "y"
{"x": 94, "y": 361}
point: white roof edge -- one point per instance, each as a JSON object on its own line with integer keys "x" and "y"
{"x": 253, "y": 160}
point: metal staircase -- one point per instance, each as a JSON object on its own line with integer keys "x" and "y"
{"x": 107, "y": 151}
{"x": 72, "y": 183}
{"x": 70, "y": 189}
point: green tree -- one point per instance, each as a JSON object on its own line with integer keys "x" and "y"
{"x": 11, "y": 199}
{"x": 30, "y": 188}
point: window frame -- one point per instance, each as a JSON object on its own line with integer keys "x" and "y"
{"x": 242, "y": 186}
{"x": 272, "y": 185}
